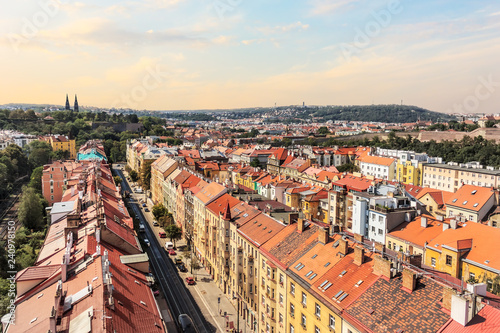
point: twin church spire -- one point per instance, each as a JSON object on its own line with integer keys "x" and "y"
{"x": 76, "y": 109}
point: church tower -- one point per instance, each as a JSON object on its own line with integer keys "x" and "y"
{"x": 67, "y": 103}
{"x": 76, "y": 104}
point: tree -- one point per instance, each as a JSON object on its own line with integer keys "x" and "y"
{"x": 255, "y": 163}
{"x": 173, "y": 232}
{"x": 146, "y": 174}
{"x": 117, "y": 179}
{"x": 159, "y": 210}
{"x": 38, "y": 153}
{"x": 60, "y": 155}
{"x": 133, "y": 175}
{"x": 323, "y": 130}
{"x": 30, "y": 212}
{"x": 36, "y": 179}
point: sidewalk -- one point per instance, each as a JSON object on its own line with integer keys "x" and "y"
{"x": 207, "y": 295}
{"x": 205, "y": 292}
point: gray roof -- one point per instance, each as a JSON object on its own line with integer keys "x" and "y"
{"x": 62, "y": 207}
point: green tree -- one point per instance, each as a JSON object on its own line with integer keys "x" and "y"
{"x": 38, "y": 153}
{"x": 173, "y": 232}
{"x": 146, "y": 175}
{"x": 117, "y": 179}
{"x": 36, "y": 179}
{"x": 133, "y": 175}
{"x": 159, "y": 210}
{"x": 255, "y": 163}
{"x": 30, "y": 212}
{"x": 60, "y": 155}
{"x": 323, "y": 130}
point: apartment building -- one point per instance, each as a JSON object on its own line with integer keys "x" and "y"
{"x": 378, "y": 167}
{"x": 450, "y": 177}
{"x": 61, "y": 142}
{"x": 160, "y": 170}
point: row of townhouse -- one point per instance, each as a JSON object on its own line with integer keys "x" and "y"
{"x": 299, "y": 275}
{"x": 91, "y": 272}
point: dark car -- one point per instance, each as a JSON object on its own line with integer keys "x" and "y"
{"x": 144, "y": 205}
{"x": 186, "y": 323}
{"x": 146, "y": 209}
{"x": 182, "y": 268}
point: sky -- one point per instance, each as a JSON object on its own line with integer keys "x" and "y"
{"x": 211, "y": 54}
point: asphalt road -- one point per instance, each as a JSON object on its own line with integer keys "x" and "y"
{"x": 169, "y": 282}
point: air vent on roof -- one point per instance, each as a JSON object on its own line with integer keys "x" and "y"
{"x": 40, "y": 295}
{"x": 33, "y": 320}
{"x": 486, "y": 262}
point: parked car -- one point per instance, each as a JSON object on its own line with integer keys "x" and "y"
{"x": 146, "y": 241}
{"x": 182, "y": 268}
{"x": 155, "y": 224}
{"x": 144, "y": 205}
{"x": 169, "y": 246}
{"x": 156, "y": 292}
{"x": 162, "y": 234}
{"x": 178, "y": 261}
{"x": 186, "y": 323}
{"x": 190, "y": 280}
{"x": 171, "y": 252}
{"x": 146, "y": 209}
{"x": 141, "y": 228}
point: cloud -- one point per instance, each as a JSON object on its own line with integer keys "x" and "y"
{"x": 326, "y": 7}
{"x": 283, "y": 28}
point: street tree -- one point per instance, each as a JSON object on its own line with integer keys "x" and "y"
{"x": 173, "y": 232}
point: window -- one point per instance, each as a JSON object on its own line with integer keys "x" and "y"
{"x": 281, "y": 319}
{"x": 472, "y": 276}
{"x": 389, "y": 245}
{"x": 380, "y": 232}
{"x": 263, "y": 264}
{"x": 292, "y": 329}
{"x": 331, "y": 322}
{"x": 317, "y": 310}
{"x": 282, "y": 278}
{"x": 316, "y": 330}
{"x": 292, "y": 310}
{"x": 448, "y": 260}
{"x": 292, "y": 289}
{"x": 304, "y": 299}
{"x": 303, "y": 320}
{"x": 433, "y": 262}
{"x": 281, "y": 299}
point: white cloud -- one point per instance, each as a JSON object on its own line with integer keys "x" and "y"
{"x": 326, "y": 7}
{"x": 284, "y": 28}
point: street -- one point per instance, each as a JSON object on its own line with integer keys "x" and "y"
{"x": 170, "y": 284}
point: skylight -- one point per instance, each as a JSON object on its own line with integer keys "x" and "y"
{"x": 323, "y": 284}
{"x": 454, "y": 200}
{"x": 297, "y": 266}
{"x": 338, "y": 294}
{"x": 327, "y": 286}
{"x": 343, "y": 273}
{"x": 465, "y": 202}
{"x": 474, "y": 192}
{"x": 476, "y": 204}
{"x": 343, "y": 297}
{"x": 314, "y": 256}
{"x": 309, "y": 273}
{"x": 313, "y": 276}
{"x": 327, "y": 264}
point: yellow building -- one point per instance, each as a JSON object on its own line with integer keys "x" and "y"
{"x": 468, "y": 252}
{"x": 409, "y": 173}
{"x": 160, "y": 170}
{"x": 61, "y": 142}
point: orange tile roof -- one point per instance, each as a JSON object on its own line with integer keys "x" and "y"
{"x": 484, "y": 248}
{"x": 414, "y": 233}
{"x": 209, "y": 192}
{"x": 470, "y": 197}
{"x": 219, "y": 204}
{"x": 387, "y": 161}
{"x": 260, "y": 229}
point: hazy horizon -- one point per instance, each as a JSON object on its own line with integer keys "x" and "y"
{"x": 180, "y": 55}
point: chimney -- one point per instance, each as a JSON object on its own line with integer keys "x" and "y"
{"x": 323, "y": 236}
{"x": 53, "y": 321}
{"x": 423, "y": 222}
{"x": 300, "y": 225}
{"x": 359, "y": 238}
{"x": 440, "y": 218}
{"x": 382, "y": 267}
{"x": 445, "y": 226}
{"x": 409, "y": 279}
{"x": 453, "y": 224}
{"x": 359, "y": 254}
{"x": 343, "y": 248}
{"x": 379, "y": 247}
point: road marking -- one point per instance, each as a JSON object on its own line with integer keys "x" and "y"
{"x": 208, "y": 308}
